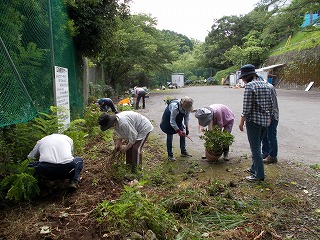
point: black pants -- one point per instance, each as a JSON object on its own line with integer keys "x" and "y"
{"x": 141, "y": 94}
{"x": 53, "y": 171}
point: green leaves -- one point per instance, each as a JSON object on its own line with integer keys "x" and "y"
{"x": 136, "y": 51}
{"x": 249, "y": 38}
{"x": 48, "y": 123}
{"x": 93, "y": 23}
{"x": 134, "y": 212}
{"x": 21, "y": 185}
{"x": 216, "y": 140}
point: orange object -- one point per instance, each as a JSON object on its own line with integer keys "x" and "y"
{"x": 124, "y": 101}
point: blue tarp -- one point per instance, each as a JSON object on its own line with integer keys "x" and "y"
{"x": 310, "y": 19}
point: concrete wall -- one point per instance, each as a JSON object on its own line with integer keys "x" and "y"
{"x": 302, "y": 67}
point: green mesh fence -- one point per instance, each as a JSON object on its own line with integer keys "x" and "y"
{"x": 33, "y": 39}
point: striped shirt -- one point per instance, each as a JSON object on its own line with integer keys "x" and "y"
{"x": 257, "y": 102}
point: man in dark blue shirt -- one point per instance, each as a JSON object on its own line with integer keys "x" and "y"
{"x": 105, "y": 104}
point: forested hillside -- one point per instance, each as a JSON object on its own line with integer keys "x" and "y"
{"x": 272, "y": 28}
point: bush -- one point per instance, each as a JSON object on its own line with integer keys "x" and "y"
{"x": 17, "y": 179}
{"x": 216, "y": 139}
{"x": 20, "y": 185}
{"x": 135, "y": 213}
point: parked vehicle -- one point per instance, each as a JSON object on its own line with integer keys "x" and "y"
{"x": 188, "y": 82}
{"x": 171, "y": 86}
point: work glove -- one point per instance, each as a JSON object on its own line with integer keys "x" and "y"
{"x": 181, "y": 133}
{"x": 187, "y": 131}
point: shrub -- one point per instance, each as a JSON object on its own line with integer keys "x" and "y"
{"x": 216, "y": 139}
{"x": 20, "y": 185}
{"x": 135, "y": 213}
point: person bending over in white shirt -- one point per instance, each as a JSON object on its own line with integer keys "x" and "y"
{"x": 55, "y": 159}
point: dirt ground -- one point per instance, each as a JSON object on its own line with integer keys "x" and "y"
{"x": 73, "y": 215}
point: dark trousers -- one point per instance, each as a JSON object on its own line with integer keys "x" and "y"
{"x": 169, "y": 145}
{"x": 134, "y": 154}
{"x": 270, "y": 141}
{"x": 169, "y": 130}
{"x": 255, "y": 135}
{"x": 53, "y": 171}
{"x": 141, "y": 94}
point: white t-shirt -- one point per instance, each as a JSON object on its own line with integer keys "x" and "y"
{"x": 132, "y": 126}
{"x": 54, "y": 148}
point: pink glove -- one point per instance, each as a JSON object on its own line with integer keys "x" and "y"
{"x": 181, "y": 133}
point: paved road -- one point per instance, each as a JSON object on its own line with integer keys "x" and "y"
{"x": 298, "y": 130}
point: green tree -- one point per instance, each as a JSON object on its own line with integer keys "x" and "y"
{"x": 10, "y": 21}
{"x": 298, "y": 8}
{"x": 186, "y": 44}
{"x": 248, "y": 38}
{"x": 93, "y": 22}
{"x": 136, "y": 51}
{"x": 226, "y": 32}
{"x": 189, "y": 62}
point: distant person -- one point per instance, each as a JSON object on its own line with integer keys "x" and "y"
{"x": 175, "y": 114}
{"x": 256, "y": 113}
{"x": 106, "y": 104}
{"x": 55, "y": 159}
{"x": 270, "y": 140}
{"x": 140, "y": 93}
{"x": 131, "y": 126}
{"x": 216, "y": 115}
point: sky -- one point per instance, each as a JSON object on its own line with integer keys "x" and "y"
{"x": 192, "y": 18}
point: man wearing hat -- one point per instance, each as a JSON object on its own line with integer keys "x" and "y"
{"x": 174, "y": 115}
{"x": 131, "y": 126}
{"x": 216, "y": 115}
{"x": 256, "y": 113}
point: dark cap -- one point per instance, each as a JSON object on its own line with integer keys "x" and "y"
{"x": 246, "y": 70}
{"x": 106, "y": 121}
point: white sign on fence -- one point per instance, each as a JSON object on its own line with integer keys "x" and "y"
{"x": 62, "y": 95}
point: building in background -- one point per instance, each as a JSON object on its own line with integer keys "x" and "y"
{"x": 177, "y": 79}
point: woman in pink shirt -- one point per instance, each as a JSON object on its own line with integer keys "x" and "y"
{"x": 216, "y": 115}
